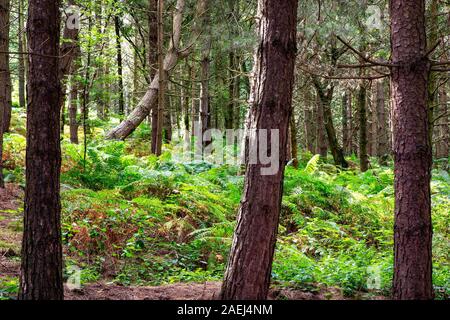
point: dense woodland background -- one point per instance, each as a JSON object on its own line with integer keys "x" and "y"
{"x": 138, "y": 209}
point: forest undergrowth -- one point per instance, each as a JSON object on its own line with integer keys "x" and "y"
{"x": 130, "y": 218}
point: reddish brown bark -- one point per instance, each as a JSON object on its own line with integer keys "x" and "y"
{"x": 249, "y": 265}
{"x": 5, "y": 73}
{"x": 41, "y": 270}
{"x": 412, "y": 152}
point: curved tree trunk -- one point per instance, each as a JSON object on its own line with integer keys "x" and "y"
{"x": 412, "y": 152}
{"x": 249, "y": 265}
{"x": 41, "y": 270}
{"x": 142, "y": 110}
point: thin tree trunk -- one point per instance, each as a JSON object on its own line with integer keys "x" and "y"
{"x": 67, "y": 52}
{"x": 325, "y": 98}
{"x": 119, "y": 66}
{"x": 161, "y": 80}
{"x": 310, "y": 124}
{"x": 443, "y": 125}
{"x": 73, "y": 100}
{"x": 362, "y": 112}
{"x": 21, "y": 66}
{"x": 5, "y": 86}
{"x": 249, "y": 266}
{"x": 153, "y": 64}
{"x": 294, "y": 142}
{"x": 432, "y": 76}
{"x": 322, "y": 145}
{"x": 185, "y": 98}
{"x": 412, "y": 152}
{"x": 205, "y": 66}
{"x": 4, "y": 74}
{"x": 345, "y": 122}
{"x": 382, "y": 130}
{"x": 41, "y": 270}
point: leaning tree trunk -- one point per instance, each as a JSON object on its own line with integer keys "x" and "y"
{"x": 412, "y": 152}
{"x": 41, "y": 270}
{"x": 250, "y": 262}
{"x": 142, "y": 110}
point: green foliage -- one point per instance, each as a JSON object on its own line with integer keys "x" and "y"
{"x": 9, "y": 288}
{"x": 148, "y": 220}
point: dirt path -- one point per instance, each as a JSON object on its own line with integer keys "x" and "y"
{"x": 185, "y": 291}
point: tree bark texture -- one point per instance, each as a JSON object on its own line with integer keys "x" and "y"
{"x": 41, "y": 269}
{"x": 412, "y": 152}
{"x": 249, "y": 266}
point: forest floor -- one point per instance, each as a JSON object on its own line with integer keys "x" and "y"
{"x": 11, "y": 199}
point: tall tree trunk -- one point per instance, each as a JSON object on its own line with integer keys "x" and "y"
{"x": 432, "y": 76}
{"x": 73, "y": 110}
{"x": 362, "y": 112}
{"x": 412, "y": 152}
{"x": 119, "y": 66}
{"x": 153, "y": 64}
{"x": 345, "y": 122}
{"x": 68, "y": 50}
{"x": 21, "y": 66}
{"x": 231, "y": 111}
{"x": 205, "y": 67}
{"x": 371, "y": 145}
{"x": 325, "y": 96}
{"x": 167, "y": 119}
{"x": 249, "y": 266}
{"x": 41, "y": 270}
{"x": 5, "y": 77}
{"x": 186, "y": 112}
{"x": 382, "y": 130}
{"x": 161, "y": 80}
{"x": 5, "y": 86}
{"x": 4, "y": 74}
{"x": 73, "y": 100}
{"x": 310, "y": 124}
{"x": 294, "y": 141}
{"x": 322, "y": 142}
{"x": 195, "y": 109}
{"x": 442, "y": 151}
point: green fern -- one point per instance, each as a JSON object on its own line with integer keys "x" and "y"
{"x": 313, "y": 165}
